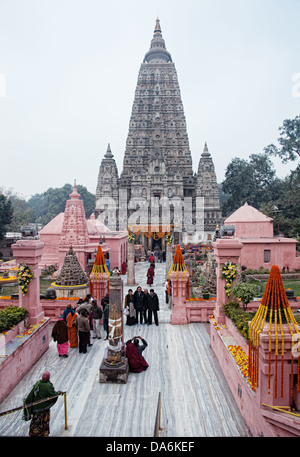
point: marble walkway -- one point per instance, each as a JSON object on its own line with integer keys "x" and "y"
{"x": 196, "y": 400}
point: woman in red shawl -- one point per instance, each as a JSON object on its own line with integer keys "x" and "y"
{"x": 136, "y": 361}
{"x": 150, "y": 275}
{"x": 60, "y": 334}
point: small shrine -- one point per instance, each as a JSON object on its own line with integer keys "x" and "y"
{"x": 72, "y": 280}
{"x": 179, "y": 288}
{"x": 99, "y": 284}
{"x": 273, "y": 346}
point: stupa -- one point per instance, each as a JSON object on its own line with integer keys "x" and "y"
{"x": 72, "y": 280}
{"x": 178, "y": 287}
{"x": 273, "y": 346}
{"x": 99, "y": 276}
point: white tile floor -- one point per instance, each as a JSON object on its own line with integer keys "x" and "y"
{"x": 196, "y": 400}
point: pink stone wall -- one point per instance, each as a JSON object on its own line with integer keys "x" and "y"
{"x": 283, "y": 253}
{"x": 16, "y": 365}
{"x": 199, "y": 311}
{"x": 253, "y": 229}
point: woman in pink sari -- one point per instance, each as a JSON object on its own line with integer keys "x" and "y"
{"x": 60, "y": 334}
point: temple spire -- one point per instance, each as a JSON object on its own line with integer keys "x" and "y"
{"x": 205, "y": 152}
{"x": 108, "y": 153}
{"x": 158, "y": 52}
{"x": 157, "y": 26}
{"x": 74, "y": 193}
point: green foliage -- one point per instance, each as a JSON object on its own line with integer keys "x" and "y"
{"x": 289, "y": 141}
{"x": 6, "y": 214}
{"x": 53, "y": 201}
{"x": 11, "y": 316}
{"x": 245, "y": 291}
{"x": 239, "y": 318}
{"x": 248, "y": 181}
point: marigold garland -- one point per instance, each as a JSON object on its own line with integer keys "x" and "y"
{"x": 229, "y": 273}
{"x": 178, "y": 266}
{"x": 97, "y": 275}
{"x": 25, "y": 276}
{"x": 131, "y": 238}
{"x": 274, "y": 310}
{"x": 169, "y": 238}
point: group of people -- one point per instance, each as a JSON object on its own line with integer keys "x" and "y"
{"x": 74, "y": 326}
{"x": 141, "y": 306}
{"x": 73, "y": 330}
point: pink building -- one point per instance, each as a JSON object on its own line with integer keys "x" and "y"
{"x": 71, "y": 228}
{"x": 260, "y": 247}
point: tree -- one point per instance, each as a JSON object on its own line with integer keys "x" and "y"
{"x": 248, "y": 181}
{"x": 53, "y": 201}
{"x": 22, "y": 214}
{"x": 289, "y": 141}
{"x": 6, "y": 213}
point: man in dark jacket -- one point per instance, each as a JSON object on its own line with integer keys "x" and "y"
{"x": 40, "y": 413}
{"x": 153, "y": 307}
{"x": 138, "y": 301}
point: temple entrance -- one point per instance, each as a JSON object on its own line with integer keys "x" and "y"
{"x": 151, "y": 237}
{"x": 157, "y": 244}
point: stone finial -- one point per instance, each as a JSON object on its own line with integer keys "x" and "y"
{"x": 157, "y": 26}
{"x": 74, "y": 194}
{"x": 205, "y": 152}
{"x": 108, "y": 154}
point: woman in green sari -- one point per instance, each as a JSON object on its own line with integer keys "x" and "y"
{"x": 40, "y": 413}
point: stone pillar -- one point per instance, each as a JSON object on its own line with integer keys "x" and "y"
{"x": 130, "y": 269}
{"x": 224, "y": 249}
{"x": 114, "y": 367}
{"x": 169, "y": 258}
{"x": 30, "y": 252}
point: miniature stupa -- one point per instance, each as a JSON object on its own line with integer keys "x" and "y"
{"x": 178, "y": 267}
{"x": 71, "y": 277}
{"x": 274, "y": 317}
{"x": 99, "y": 276}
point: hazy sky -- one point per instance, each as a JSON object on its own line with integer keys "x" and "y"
{"x": 69, "y": 68}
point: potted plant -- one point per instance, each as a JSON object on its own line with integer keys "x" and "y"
{"x": 205, "y": 293}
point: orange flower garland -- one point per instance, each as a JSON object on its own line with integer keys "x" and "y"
{"x": 97, "y": 275}
{"x": 178, "y": 266}
{"x": 274, "y": 309}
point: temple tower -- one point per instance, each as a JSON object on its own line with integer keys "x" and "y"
{"x": 74, "y": 230}
{"x": 107, "y": 191}
{"x": 207, "y": 188}
{"x": 157, "y": 160}
{"x": 157, "y": 182}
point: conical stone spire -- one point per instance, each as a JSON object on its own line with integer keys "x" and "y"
{"x": 71, "y": 273}
{"x": 158, "y": 52}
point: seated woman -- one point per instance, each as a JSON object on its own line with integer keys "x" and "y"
{"x": 136, "y": 361}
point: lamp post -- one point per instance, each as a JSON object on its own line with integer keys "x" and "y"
{"x": 277, "y": 211}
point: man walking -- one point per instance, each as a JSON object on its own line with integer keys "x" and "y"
{"x": 153, "y": 307}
